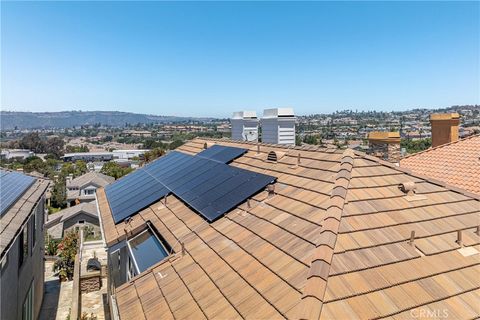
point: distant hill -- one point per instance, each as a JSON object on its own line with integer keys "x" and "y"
{"x": 68, "y": 119}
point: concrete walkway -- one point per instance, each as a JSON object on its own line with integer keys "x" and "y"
{"x": 94, "y": 303}
{"x": 57, "y": 297}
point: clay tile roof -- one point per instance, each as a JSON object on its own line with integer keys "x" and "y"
{"x": 310, "y": 251}
{"x": 92, "y": 177}
{"x": 89, "y": 208}
{"x": 456, "y": 163}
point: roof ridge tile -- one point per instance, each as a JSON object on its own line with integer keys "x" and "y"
{"x": 315, "y": 287}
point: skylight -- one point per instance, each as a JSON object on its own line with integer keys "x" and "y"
{"x": 146, "y": 250}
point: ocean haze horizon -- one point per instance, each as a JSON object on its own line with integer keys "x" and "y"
{"x": 230, "y": 112}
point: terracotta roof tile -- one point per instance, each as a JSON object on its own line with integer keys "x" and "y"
{"x": 456, "y": 163}
{"x": 333, "y": 243}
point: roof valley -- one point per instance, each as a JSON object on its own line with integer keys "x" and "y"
{"x": 313, "y": 296}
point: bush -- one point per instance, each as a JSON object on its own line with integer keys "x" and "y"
{"x": 51, "y": 247}
{"x": 67, "y": 249}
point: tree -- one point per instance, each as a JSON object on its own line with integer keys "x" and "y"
{"x": 298, "y": 140}
{"x": 32, "y": 142}
{"x": 35, "y": 164}
{"x": 113, "y": 169}
{"x": 59, "y": 193}
{"x": 311, "y": 139}
{"x": 76, "y": 169}
{"x": 80, "y": 168}
{"x": 153, "y": 154}
{"x": 54, "y": 146}
{"x": 413, "y": 146}
{"x": 72, "y": 149}
{"x": 175, "y": 144}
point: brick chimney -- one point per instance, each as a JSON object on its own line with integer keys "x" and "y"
{"x": 444, "y": 128}
{"x": 384, "y": 145}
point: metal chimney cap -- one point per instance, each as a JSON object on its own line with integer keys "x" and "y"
{"x": 278, "y": 112}
{"x": 244, "y": 115}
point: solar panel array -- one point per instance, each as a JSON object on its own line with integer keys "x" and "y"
{"x": 221, "y": 153}
{"x": 12, "y": 186}
{"x": 203, "y": 182}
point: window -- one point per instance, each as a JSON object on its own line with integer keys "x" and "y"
{"x": 130, "y": 269}
{"x": 23, "y": 242}
{"x": 4, "y": 263}
{"x": 27, "y": 310}
{"x": 34, "y": 229}
{"x": 89, "y": 191}
{"x": 146, "y": 250}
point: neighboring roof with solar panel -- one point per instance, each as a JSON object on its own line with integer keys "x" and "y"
{"x": 19, "y": 194}
{"x": 333, "y": 242}
{"x": 12, "y": 186}
{"x": 204, "y": 182}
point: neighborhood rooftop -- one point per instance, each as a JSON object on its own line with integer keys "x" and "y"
{"x": 55, "y": 222}
{"x": 96, "y": 178}
{"x": 343, "y": 235}
{"x": 456, "y": 163}
{"x": 19, "y": 196}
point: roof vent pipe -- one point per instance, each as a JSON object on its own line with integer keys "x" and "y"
{"x": 459, "y": 238}
{"x": 408, "y": 188}
{"x": 271, "y": 190}
{"x": 412, "y": 238}
{"x": 205, "y": 145}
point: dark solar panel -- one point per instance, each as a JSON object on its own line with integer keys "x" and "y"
{"x": 230, "y": 187}
{"x": 204, "y": 183}
{"x": 12, "y": 186}
{"x": 222, "y": 154}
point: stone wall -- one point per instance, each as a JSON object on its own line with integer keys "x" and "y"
{"x": 385, "y": 151}
{"x": 90, "y": 282}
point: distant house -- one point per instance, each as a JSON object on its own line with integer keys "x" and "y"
{"x": 9, "y": 154}
{"x": 137, "y": 133}
{"x": 128, "y": 154}
{"x": 88, "y": 156}
{"x": 82, "y": 188}
{"x": 83, "y": 215}
{"x": 22, "y": 209}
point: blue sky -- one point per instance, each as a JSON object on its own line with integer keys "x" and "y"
{"x": 212, "y": 58}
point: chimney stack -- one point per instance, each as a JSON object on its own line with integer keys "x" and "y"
{"x": 384, "y": 145}
{"x": 244, "y": 126}
{"x": 278, "y": 126}
{"x": 444, "y": 128}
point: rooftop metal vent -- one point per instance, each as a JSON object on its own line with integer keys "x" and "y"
{"x": 408, "y": 188}
{"x": 272, "y": 156}
{"x": 244, "y": 126}
{"x": 278, "y": 126}
{"x": 93, "y": 265}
